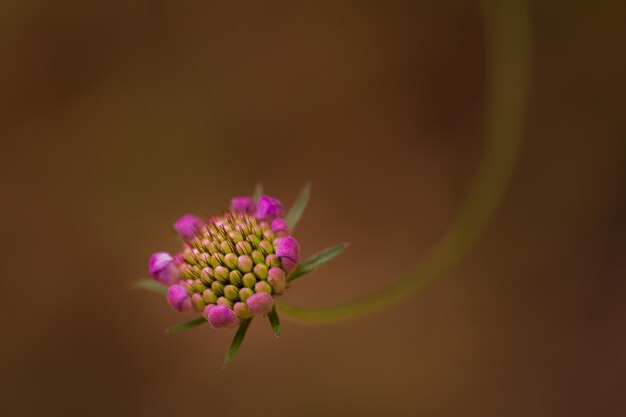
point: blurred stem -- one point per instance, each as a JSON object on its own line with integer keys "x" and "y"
{"x": 507, "y": 34}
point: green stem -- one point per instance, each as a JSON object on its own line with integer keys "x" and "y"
{"x": 508, "y": 35}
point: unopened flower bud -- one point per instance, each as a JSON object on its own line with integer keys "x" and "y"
{"x": 242, "y": 205}
{"x": 245, "y": 293}
{"x": 260, "y": 303}
{"x": 178, "y": 298}
{"x": 231, "y": 292}
{"x": 198, "y": 286}
{"x": 217, "y": 259}
{"x": 223, "y": 301}
{"x": 162, "y": 268}
{"x": 243, "y": 248}
{"x": 280, "y": 227}
{"x": 249, "y": 280}
{"x": 268, "y": 208}
{"x": 227, "y": 247}
{"x": 198, "y": 302}
{"x": 207, "y": 275}
{"x": 268, "y": 235}
{"x": 257, "y": 257}
{"x": 262, "y": 286}
{"x": 235, "y": 278}
{"x": 244, "y": 263}
{"x": 221, "y": 273}
{"x": 289, "y": 253}
{"x": 277, "y": 280}
{"x": 253, "y": 239}
{"x": 209, "y": 297}
{"x": 242, "y": 310}
{"x": 220, "y": 317}
{"x": 266, "y": 247}
{"x": 187, "y": 226}
{"x": 272, "y": 260}
{"x": 260, "y": 271}
{"x": 230, "y": 260}
{"x": 217, "y": 288}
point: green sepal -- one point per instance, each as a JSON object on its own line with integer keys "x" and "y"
{"x": 187, "y": 325}
{"x": 150, "y": 285}
{"x": 317, "y": 261}
{"x": 274, "y": 321}
{"x": 237, "y": 340}
{"x": 295, "y": 213}
{"x": 258, "y": 192}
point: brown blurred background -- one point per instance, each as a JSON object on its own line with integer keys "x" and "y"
{"x": 117, "y": 117}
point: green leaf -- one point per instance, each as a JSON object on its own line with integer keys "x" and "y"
{"x": 237, "y": 340}
{"x": 317, "y": 261}
{"x": 149, "y": 285}
{"x": 258, "y": 192}
{"x": 293, "y": 217}
{"x": 274, "y": 321}
{"x": 187, "y": 325}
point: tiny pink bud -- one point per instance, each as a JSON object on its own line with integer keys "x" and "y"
{"x": 280, "y": 227}
{"x": 260, "y": 303}
{"x": 221, "y": 317}
{"x": 242, "y": 205}
{"x": 187, "y": 226}
{"x": 163, "y": 268}
{"x": 269, "y": 208}
{"x": 288, "y": 251}
{"x": 276, "y": 278}
{"x": 178, "y": 298}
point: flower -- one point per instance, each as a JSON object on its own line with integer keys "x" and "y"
{"x": 163, "y": 268}
{"x": 179, "y": 298}
{"x": 242, "y": 205}
{"x": 188, "y": 225}
{"x": 269, "y": 208}
{"x": 232, "y": 266}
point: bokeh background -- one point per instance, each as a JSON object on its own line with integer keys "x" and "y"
{"x": 117, "y": 117}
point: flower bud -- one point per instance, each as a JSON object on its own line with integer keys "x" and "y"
{"x": 260, "y": 271}
{"x": 230, "y": 260}
{"x": 277, "y": 280}
{"x": 253, "y": 239}
{"x": 249, "y": 280}
{"x": 198, "y": 302}
{"x": 221, "y": 273}
{"x": 223, "y": 301}
{"x": 260, "y": 303}
{"x": 257, "y": 257}
{"x": 220, "y": 317}
{"x": 244, "y": 263}
{"x": 266, "y": 247}
{"x": 242, "y": 310}
{"x": 209, "y": 297}
{"x": 163, "y": 268}
{"x": 227, "y": 247}
{"x": 207, "y": 275}
{"x": 272, "y": 260}
{"x": 231, "y": 292}
{"x": 242, "y": 205}
{"x": 280, "y": 227}
{"x": 217, "y": 259}
{"x": 289, "y": 253}
{"x": 187, "y": 226}
{"x": 243, "y": 248}
{"x": 245, "y": 293}
{"x": 262, "y": 286}
{"x": 178, "y": 298}
{"x": 198, "y": 286}
{"x": 217, "y": 288}
{"x": 268, "y": 208}
{"x": 235, "y": 278}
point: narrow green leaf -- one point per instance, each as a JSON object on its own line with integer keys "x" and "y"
{"x": 258, "y": 192}
{"x": 187, "y": 325}
{"x": 317, "y": 261}
{"x": 293, "y": 217}
{"x": 237, "y": 340}
{"x": 274, "y": 321}
{"x": 149, "y": 285}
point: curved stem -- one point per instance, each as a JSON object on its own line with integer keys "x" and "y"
{"x": 508, "y": 36}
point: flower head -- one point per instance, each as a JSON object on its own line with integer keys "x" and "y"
{"x": 231, "y": 266}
